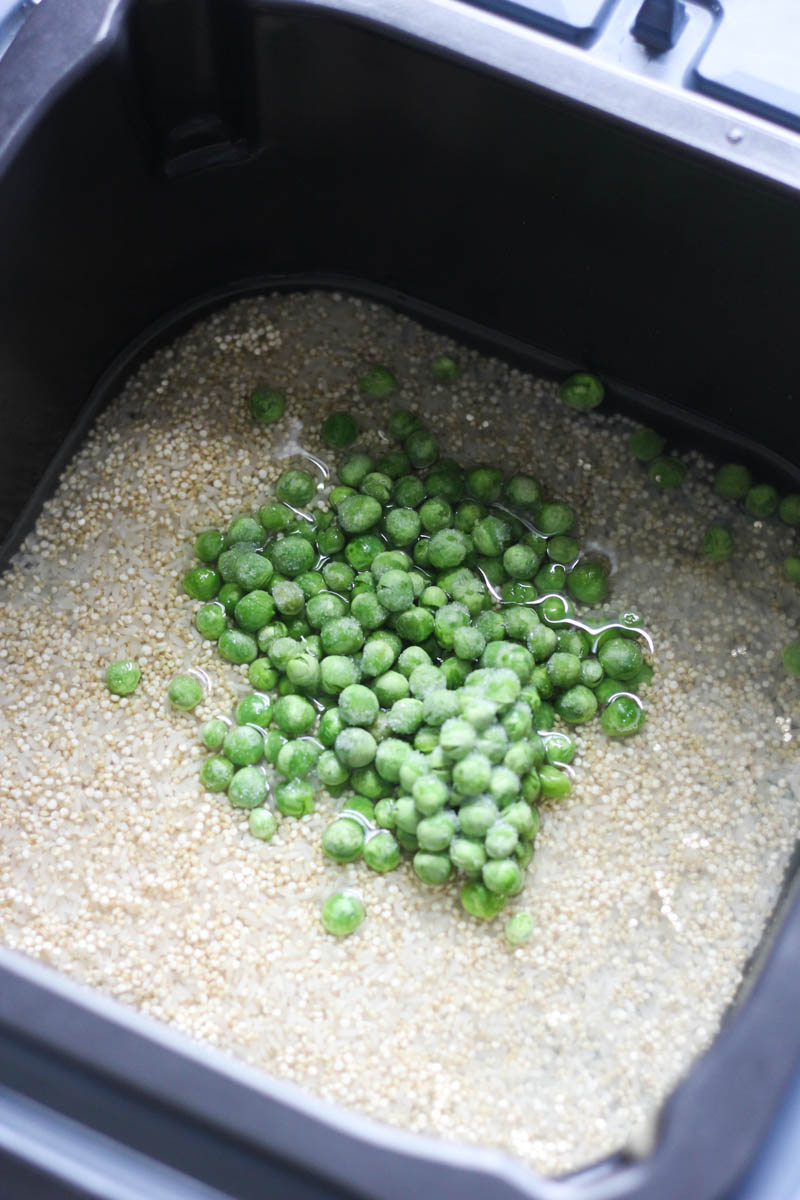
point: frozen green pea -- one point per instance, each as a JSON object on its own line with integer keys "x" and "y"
{"x": 297, "y": 757}
{"x": 229, "y": 596}
{"x": 435, "y": 833}
{"x": 468, "y": 643}
{"x": 378, "y": 486}
{"x": 304, "y": 670}
{"x": 122, "y": 677}
{"x": 245, "y": 531}
{"x": 405, "y": 716}
{"x": 216, "y": 773}
{"x": 402, "y": 526}
{"x": 237, "y": 647}
{"x": 185, "y": 692}
{"x": 343, "y": 840}
{"x": 415, "y": 624}
{"x": 432, "y": 868}
{"x": 435, "y": 514}
{"x": 448, "y": 548}
{"x": 247, "y": 788}
{"x": 330, "y": 771}
{"x": 358, "y": 513}
{"x": 395, "y": 591}
{"x": 582, "y": 391}
{"x": 409, "y": 491}
{"x": 251, "y": 570}
{"x": 471, "y": 774}
{"x": 395, "y": 464}
{"x": 492, "y": 536}
{"x": 467, "y": 855}
{"x": 402, "y": 423}
{"x": 354, "y": 468}
{"x": 484, "y": 483}
{"x": 520, "y": 562}
{"x": 294, "y": 797}
{"x": 390, "y": 687}
{"x": 519, "y": 929}
{"x": 212, "y": 733}
{"x": 323, "y": 608}
{"x": 554, "y": 517}
{"x": 430, "y": 794}
{"x": 588, "y": 583}
{"x": 292, "y": 555}
{"x": 343, "y": 635}
{"x": 576, "y": 705}
{"x": 446, "y": 481}
{"x": 501, "y": 840}
{"x": 791, "y": 568}
{"x": 504, "y": 786}
{"x": 355, "y": 747}
{"x": 358, "y": 705}
{"x": 523, "y": 817}
{"x": 564, "y": 669}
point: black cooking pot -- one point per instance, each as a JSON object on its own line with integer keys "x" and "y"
{"x": 160, "y": 156}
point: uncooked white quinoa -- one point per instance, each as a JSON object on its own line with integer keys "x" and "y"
{"x": 650, "y": 884}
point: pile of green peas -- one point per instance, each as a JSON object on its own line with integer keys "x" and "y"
{"x": 409, "y": 646}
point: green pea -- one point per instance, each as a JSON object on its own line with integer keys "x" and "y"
{"x": 523, "y": 817}
{"x": 409, "y": 491}
{"x": 432, "y": 868}
{"x": 733, "y": 481}
{"x": 229, "y": 596}
{"x": 247, "y": 788}
{"x": 276, "y": 518}
{"x": 480, "y": 902}
{"x": 468, "y": 643}
{"x": 492, "y": 536}
{"x": 211, "y": 621}
{"x": 588, "y": 583}
{"x": 378, "y": 486}
{"x": 791, "y": 568}
{"x": 254, "y": 611}
{"x": 216, "y": 773}
{"x": 343, "y": 635}
{"x": 357, "y": 514}
{"x": 622, "y": 717}
{"x": 390, "y": 687}
{"x": 294, "y": 797}
{"x": 272, "y": 745}
{"x": 402, "y": 526}
{"x": 472, "y": 774}
{"x": 667, "y": 472}
{"x": 502, "y": 876}
{"x": 467, "y": 515}
{"x": 202, "y": 583}
{"x": 381, "y": 852}
{"x": 185, "y": 692}
{"x": 355, "y": 747}
{"x": 415, "y": 624}
{"x": 444, "y": 369}
{"x": 790, "y": 657}
{"x": 297, "y": 757}
{"x": 377, "y": 382}
{"x": 338, "y": 576}
{"x": 761, "y": 500}
{"x": 292, "y": 555}
{"x": 262, "y": 824}
{"x": 620, "y": 658}
{"x": 330, "y": 771}
{"x": 389, "y": 758}
{"x": 501, "y": 840}
{"x": 523, "y": 492}
{"x": 551, "y": 577}
{"x": 237, "y": 647}
{"x": 122, "y": 676}
{"x": 212, "y": 733}
{"x": 554, "y": 517}
{"x": 243, "y": 530}
{"x": 582, "y": 391}
{"x": 209, "y": 545}
{"x": 296, "y": 487}
{"x": 254, "y": 709}
{"x": 576, "y": 705}
{"x": 645, "y": 444}
{"x": 564, "y": 669}
{"x": 435, "y": 833}
{"x": 789, "y": 509}
{"x": 519, "y": 929}
{"x": 358, "y": 705}
{"x": 717, "y": 545}
{"x": 243, "y": 745}
{"x": 266, "y": 404}
{"x": 467, "y": 855}
{"x": 555, "y": 784}
{"x": 342, "y": 914}
{"x": 354, "y": 468}
{"x": 484, "y": 483}
{"x": 339, "y": 429}
{"x": 445, "y": 481}
{"x": 294, "y": 715}
{"x": 323, "y": 608}
{"x": 422, "y": 448}
{"x": 520, "y": 562}
{"x": 405, "y": 716}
